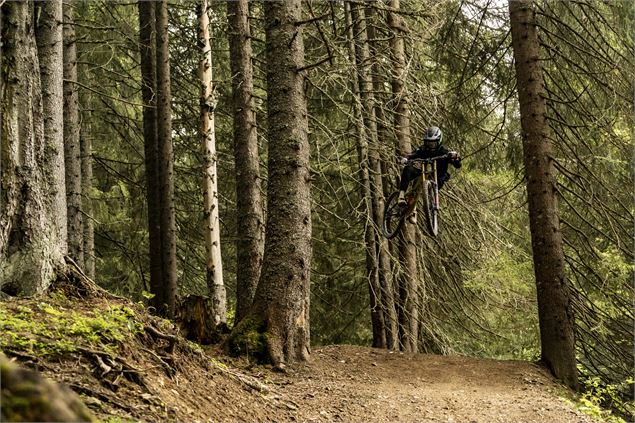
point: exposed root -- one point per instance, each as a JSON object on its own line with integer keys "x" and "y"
{"x": 100, "y": 395}
{"x": 169, "y": 370}
{"x": 249, "y": 381}
{"x": 118, "y": 363}
{"x": 74, "y": 282}
{"x": 157, "y": 334}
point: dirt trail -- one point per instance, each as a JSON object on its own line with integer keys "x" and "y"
{"x": 340, "y": 384}
{"x": 356, "y": 384}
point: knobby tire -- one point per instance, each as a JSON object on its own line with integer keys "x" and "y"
{"x": 429, "y": 208}
{"x": 393, "y": 216}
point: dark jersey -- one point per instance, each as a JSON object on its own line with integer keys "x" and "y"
{"x": 442, "y": 164}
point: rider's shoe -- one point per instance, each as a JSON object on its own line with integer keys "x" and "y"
{"x": 402, "y": 199}
{"x": 413, "y": 217}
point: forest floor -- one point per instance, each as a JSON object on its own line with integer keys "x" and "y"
{"x": 129, "y": 366}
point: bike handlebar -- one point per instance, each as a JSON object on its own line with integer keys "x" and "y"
{"x": 428, "y": 160}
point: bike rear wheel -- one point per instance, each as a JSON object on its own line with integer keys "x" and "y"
{"x": 430, "y": 209}
{"x": 394, "y": 216}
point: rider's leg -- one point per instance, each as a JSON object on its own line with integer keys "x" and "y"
{"x": 408, "y": 174}
{"x": 443, "y": 179}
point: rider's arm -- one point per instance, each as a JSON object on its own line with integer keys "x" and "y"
{"x": 453, "y": 157}
{"x": 456, "y": 160}
{"x": 416, "y": 154}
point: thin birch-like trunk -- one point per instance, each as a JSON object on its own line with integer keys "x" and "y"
{"x": 214, "y": 263}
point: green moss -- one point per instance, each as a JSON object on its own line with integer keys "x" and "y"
{"x": 51, "y": 329}
{"x": 249, "y": 338}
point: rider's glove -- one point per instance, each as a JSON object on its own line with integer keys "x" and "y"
{"x": 454, "y": 155}
{"x": 404, "y": 160}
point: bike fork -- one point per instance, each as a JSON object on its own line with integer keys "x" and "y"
{"x": 436, "y": 198}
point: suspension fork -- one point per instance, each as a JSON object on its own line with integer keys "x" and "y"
{"x": 436, "y": 185}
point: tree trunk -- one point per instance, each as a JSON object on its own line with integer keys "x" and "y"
{"x": 72, "y": 154}
{"x": 166, "y": 163}
{"x": 249, "y": 209}
{"x": 554, "y": 307}
{"x": 148, "y": 49}
{"x": 214, "y": 261}
{"x": 32, "y": 242}
{"x": 27, "y": 396}
{"x": 280, "y": 313}
{"x": 408, "y": 298}
{"x": 385, "y": 274}
{"x": 86, "y": 148}
{"x": 49, "y": 38}
{"x": 366, "y": 129}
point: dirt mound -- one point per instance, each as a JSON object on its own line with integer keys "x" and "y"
{"x": 124, "y": 362}
{"x": 127, "y": 364}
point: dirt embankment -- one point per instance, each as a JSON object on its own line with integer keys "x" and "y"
{"x": 128, "y": 365}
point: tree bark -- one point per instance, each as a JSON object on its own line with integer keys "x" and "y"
{"x": 385, "y": 274}
{"x": 249, "y": 207}
{"x": 408, "y": 294}
{"x": 86, "y": 150}
{"x": 27, "y": 396}
{"x": 554, "y": 307}
{"x": 280, "y": 313}
{"x": 49, "y": 38}
{"x": 214, "y": 263}
{"x": 32, "y": 243}
{"x": 166, "y": 164}
{"x": 366, "y": 128}
{"x": 72, "y": 153}
{"x": 148, "y": 49}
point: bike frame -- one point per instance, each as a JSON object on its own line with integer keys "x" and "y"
{"x": 428, "y": 167}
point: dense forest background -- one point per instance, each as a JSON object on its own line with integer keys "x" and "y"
{"x": 476, "y": 292}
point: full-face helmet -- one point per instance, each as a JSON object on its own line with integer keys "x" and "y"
{"x": 433, "y": 138}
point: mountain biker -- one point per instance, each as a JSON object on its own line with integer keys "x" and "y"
{"x": 432, "y": 147}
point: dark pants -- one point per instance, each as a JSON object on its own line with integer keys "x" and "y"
{"x": 410, "y": 173}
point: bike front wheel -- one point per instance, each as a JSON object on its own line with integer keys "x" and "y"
{"x": 394, "y": 216}
{"x": 430, "y": 208}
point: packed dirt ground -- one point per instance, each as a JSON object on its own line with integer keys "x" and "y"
{"x": 151, "y": 374}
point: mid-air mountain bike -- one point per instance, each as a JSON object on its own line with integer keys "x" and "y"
{"x": 425, "y": 186}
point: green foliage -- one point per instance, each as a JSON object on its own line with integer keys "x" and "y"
{"x": 605, "y": 401}
{"x": 249, "y": 339}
